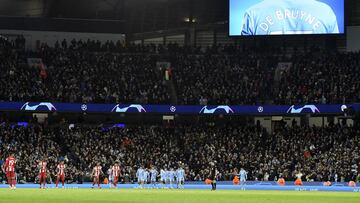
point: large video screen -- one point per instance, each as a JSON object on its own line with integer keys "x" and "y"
{"x": 285, "y": 17}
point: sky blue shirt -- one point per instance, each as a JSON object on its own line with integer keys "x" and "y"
{"x": 277, "y": 17}
{"x": 180, "y": 173}
{"x": 243, "y": 175}
{"x": 140, "y": 173}
{"x": 171, "y": 175}
{"x": 163, "y": 174}
{"x": 154, "y": 174}
{"x": 145, "y": 175}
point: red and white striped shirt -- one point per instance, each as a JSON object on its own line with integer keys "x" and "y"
{"x": 42, "y": 165}
{"x": 61, "y": 169}
{"x": 97, "y": 170}
{"x": 10, "y": 164}
{"x": 115, "y": 170}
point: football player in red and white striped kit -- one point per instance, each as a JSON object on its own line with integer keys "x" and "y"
{"x": 9, "y": 168}
{"x": 60, "y": 170}
{"x": 42, "y": 173}
{"x": 116, "y": 173}
{"x": 97, "y": 171}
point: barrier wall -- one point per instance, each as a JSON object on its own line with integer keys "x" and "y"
{"x": 202, "y": 186}
{"x": 177, "y": 109}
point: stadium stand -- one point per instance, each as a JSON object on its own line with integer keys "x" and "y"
{"x": 70, "y": 73}
{"x": 186, "y": 101}
{"x": 318, "y": 153}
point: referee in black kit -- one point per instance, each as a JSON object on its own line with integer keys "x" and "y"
{"x": 213, "y": 175}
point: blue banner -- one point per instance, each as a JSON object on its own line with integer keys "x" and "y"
{"x": 177, "y": 109}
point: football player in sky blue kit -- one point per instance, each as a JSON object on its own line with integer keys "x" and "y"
{"x": 163, "y": 177}
{"x": 180, "y": 177}
{"x": 146, "y": 176}
{"x": 277, "y": 17}
{"x": 243, "y": 176}
{"x": 171, "y": 177}
{"x": 140, "y": 176}
{"x": 153, "y": 175}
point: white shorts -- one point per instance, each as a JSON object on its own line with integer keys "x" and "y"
{"x": 180, "y": 180}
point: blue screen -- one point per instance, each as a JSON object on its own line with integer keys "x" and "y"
{"x": 285, "y": 17}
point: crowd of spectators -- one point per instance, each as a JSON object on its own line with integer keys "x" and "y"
{"x": 91, "y": 71}
{"x": 321, "y": 78}
{"x": 73, "y": 75}
{"x": 320, "y": 154}
{"x": 31, "y": 144}
{"x": 224, "y": 79}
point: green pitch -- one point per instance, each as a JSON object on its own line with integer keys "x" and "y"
{"x": 171, "y": 196}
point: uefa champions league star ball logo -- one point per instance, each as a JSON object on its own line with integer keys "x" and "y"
{"x": 47, "y": 106}
{"x": 84, "y": 107}
{"x": 172, "y": 108}
{"x": 260, "y": 109}
{"x": 311, "y": 108}
{"x": 343, "y": 107}
{"x": 135, "y": 107}
{"x": 222, "y": 109}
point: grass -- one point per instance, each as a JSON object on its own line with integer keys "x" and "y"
{"x": 171, "y": 196}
